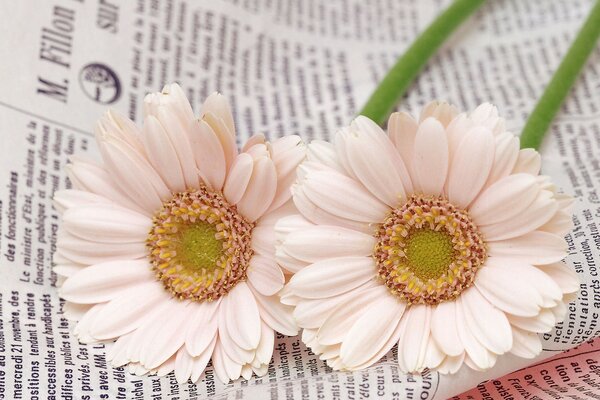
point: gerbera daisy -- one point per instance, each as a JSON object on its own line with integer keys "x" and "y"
{"x": 167, "y": 246}
{"x": 441, "y": 237}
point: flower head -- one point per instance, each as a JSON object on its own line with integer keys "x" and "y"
{"x": 440, "y": 236}
{"x": 167, "y": 245}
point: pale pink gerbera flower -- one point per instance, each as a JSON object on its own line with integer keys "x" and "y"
{"x": 441, "y": 238}
{"x": 167, "y": 246}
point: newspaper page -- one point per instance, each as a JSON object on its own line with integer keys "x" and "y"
{"x": 287, "y": 67}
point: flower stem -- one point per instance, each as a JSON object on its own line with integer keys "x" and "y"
{"x": 557, "y": 90}
{"x": 398, "y": 79}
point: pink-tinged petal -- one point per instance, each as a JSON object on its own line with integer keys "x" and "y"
{"x": 539, "y": 212}
{"x": 563, "y": 274}
{"x": 457, "y": 129}
{"x": 201, "y": 361}
{"x": 264, "y": 352}
{"x": 413, "y": 342}
{"x": 263, "y": 240}
{"x": 532, "y": 248}
{"x": 90, "y": 177}
{"x": 238, "y": 178}
{"x": 332, "y": 277}
{"x": 337, "y": 326}
{"x": 542, "y": 323}
{"x": 230, "y": 346}
{"x": 260, "y": 191}
{"x": 444, "y": 330}
{"x": 184, "y": 364}
{"x": 107, "y": 223}
{"x": 288, "y": 152}
{"x": 373, "y": 165}
{"x": 166, "y": 338}
{"x": 103, "y": 282}
{"x": 317, "y": 215}
{"x": 504, "y": 199}
{"x": 528, "y": 162}
{"x": 288, "y": 262}
{"x": 265, "y": 275}
{"x": 209, "y": 154}
{"x": 440, "y": 111}
{"x": 325, "y": 241}
{"x": 343, "y": 197}
{"x": 162, "y": 155}
{"x": 451, "y": 364}
{"x": 505, "y": 157}
{"x": 259, "y": 138}
{"x": 154, "y": 317}
{"x": 486, "y": 114}
{"x": 402, "y": 130}
{"x": 83, "y": 251}
{"x": 71, "y": 198}
{"x": 82, "y": 329}
{"x": 501, "y": 288}
{"x": 430, "y": 163}
{"x": 126, "y": 312}
{"x": 323, "y": 153}
{"x": 134, "y": 175}
{"x": 560, "y": 224}
{"x": 243, "y": 318}
{"x": 525, "y": 344}
{"x": 470, "y": 166}
{"x": 481, "y": 358}
{"x": 433, "y": 354}
{"x": 117, "y": 353}
{"x": 371, "y": 331}
{"x": 225, "y": 136}
{"x": 275, "y": 314}
{"x": 217, "y": 105}
{"x": 112, "y": 123}
{"x": 487, "y": 323}
{"x": 202, "y": 327}
{"x": 225, "y": 368}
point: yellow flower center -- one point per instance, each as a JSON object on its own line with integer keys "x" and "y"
{"x": 199, "y": 245}
{"x": 428, "y": 251}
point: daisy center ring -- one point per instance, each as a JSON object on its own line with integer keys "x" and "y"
{"x": 199, "y": 245}
{"x": 428, "y": 251}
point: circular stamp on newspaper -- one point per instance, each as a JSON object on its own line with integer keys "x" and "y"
{"x": 100, "y": 83}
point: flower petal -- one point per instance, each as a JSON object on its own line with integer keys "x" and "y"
{"x": 371, "y": 331}
{"x": 478, "y": 354}
{"x": 413, "y": 343}
{"x": 525, "y": 344}
{"x": 260, "y": 191}
{"x": 238, "y": 178}
{"x": 470, "y": 166}
{"x": 532, "y": 248}
{"x": 243, "y": 318}
{"x": 331, "y": 277}
{"x": 564, "y": 276}
{"x": 276, "y": 314}
{"x": 430, "y": 164}
{"x": 265, "y": 275}
{"x": 209, "y": 154}
{"x": 202, "y": 327}
{"x": 92, "y": 252}
{"x": 528, "y": 162}
{"x": 444, "y": 330}
{"x": 505, "y": 157}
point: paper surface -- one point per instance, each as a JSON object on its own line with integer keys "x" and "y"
{"x": 287, "y": 67}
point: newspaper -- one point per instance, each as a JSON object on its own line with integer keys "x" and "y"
{"x": 288, "y": 67}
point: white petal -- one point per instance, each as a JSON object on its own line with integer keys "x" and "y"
{"x": 451, "y": 364}
{"x": 486, "y": 323}
{"x": 537, "y": 214}
{"x": 343, "y": 197}
{"x": 183, "y": 365}
{"x": 82, "y": 329}
{"x": 528, "y": 162}
{"x": 260, "y": 191}
{"x": 265, "y": 275}
{"x": 504, "y": 199}
{"x": 243, "y": 318}
{"x": 564, "y": 275}
{"x": 117, "y": 353}
{"x": 374, "y": 165}
{"x": 504, "y": 291}
{"x": 91, "y": 252}
{"x": 264, "y": 352}
{"x": 126, "y": 312}
{"x": 209, "y": 154}
{"x": 75, "y": 311}
{"x": 275, "y": 314}
{"x": 413, "y": 343}
{"x": 70, "y": 198}
{"x": 263, "y": 239}
{"x": 229, "y": 345}
{"x": 287, "y": 154}
{"x": 542, "y": 323}
{"x": 225, "y": 135}
{"x": 319, "y": 242}
{"x": 202, "y": 360}
{"x": 433, "y": 355}
{"x": 525, "y": 344}
{"x": 336, "y": 327}
{"x": 103, "y": 282}
{"x": 238, "y": 178}
{"x": 470, "y": 166}
{"x": 505, "y": 157}
{"x": 166, "y": 338}
{"x": 479, "y": 355}
{"x": 560, "y": 224}
{"x": 107, "y": 223}
{"x": 322, "y": 152}
{"x": 371, "y": 331}
{"x": 202, "y": 327}
{"x": 532, "y": 248}
{"x": 225, "y": 368}
{"x": 218, "y": 105}
{"x": 430, "y": 164}
{"x": 441, "y": 111}
{"x": 444, "y": 330}
{"x": 162, "y": 154}
{"x": 332, "y": 277}
{"x": 288, "y": 262}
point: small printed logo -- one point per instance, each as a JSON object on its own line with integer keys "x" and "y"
{"x": 100, "y": 83}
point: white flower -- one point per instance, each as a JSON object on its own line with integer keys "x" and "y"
{"x": 168, "y": 246}
{"x": 441, "y": 238}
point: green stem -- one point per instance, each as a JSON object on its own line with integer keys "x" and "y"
{"x": 397, "y": 81}
{"x": 557, "y": 90}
